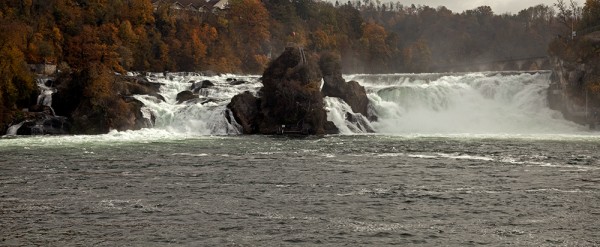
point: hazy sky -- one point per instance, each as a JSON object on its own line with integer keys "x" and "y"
{"x": 498, "y": 6}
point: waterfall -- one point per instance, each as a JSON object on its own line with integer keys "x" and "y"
{"x": 469, "y": 103}
{"x": 45, "y": 97}
{"x": 345, "y": 119}
{"x": 12, "y": 130}
{"x": 207, "y": 115}
{"x": 474, "y": 103}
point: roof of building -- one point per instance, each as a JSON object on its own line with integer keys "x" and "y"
{"x": 196, "y": 3}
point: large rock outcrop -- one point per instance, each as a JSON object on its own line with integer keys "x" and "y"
{"x": 95, "y": 101}
{"x": 39, "y": 120}
{"x": 335, "y": 86}
{"x": 290, "y": 100}
{"x": 575, "y": 80}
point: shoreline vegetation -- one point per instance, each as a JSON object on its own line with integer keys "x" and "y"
{"x": 91, "y": 42}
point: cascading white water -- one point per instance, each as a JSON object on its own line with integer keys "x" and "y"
{"x": 337, "y": 112}
{"x": 205, "y": 116}
{"x": 476, "y": 103}
{"x": 12, "y": 130}
{"x": 45, "y": 97}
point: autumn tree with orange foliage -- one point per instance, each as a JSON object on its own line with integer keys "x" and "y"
{"x": 16, "y": 82}
{"x": 376, "y": 53}
{"x": 249, "y": 29}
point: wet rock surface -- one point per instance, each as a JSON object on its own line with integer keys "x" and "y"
{"x": 245, "y": 108}
{"x": 96, "y": 101}
{"x": 335, "y": 86}
{"x": 185, "y": 96}
{"x": 289, "y": 101}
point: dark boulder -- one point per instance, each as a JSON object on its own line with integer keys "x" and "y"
{"x": 207, "y": 84}
{"x": 331, "y": 129}
{"x": 245, "y": 109}
{"x": 55, "y": 126}
{"x": 290, "y": 95}
{"x": 334, "y": 85}
{"x": 185, "y": 96}
{"x": 134, "y": 85}
{"x": 49, "y": 83}
{"x": 235, "y": 82}
{"x": 141, "y": 120}
{"x": 197, "y": 86}
{"x": 290, "y": 100}
{"x": 40, "y": 123}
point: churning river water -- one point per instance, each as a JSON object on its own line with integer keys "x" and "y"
{"x": 458, "y": 160}
{"x": 277, "y": 191}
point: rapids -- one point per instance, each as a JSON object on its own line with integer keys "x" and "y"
{"x": 423, "y": 104}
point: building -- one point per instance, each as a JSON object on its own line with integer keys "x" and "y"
{"x": 201, "y": 6}
{"x": 43, "y": 68}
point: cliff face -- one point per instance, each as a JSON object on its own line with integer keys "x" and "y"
{"x": 575, "y": 81}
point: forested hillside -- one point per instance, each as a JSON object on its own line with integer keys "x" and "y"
{"x": 135, "y": 35}
{"x": 143, "y": 35}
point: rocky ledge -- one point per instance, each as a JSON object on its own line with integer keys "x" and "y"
{"x": 91, "y": 101}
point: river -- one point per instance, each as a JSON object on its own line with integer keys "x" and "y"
{"x": 438, "y": 173}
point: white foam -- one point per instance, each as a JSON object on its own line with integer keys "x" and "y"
{"x": 465, "y": 157}
{"x": 190, "y": 154}
{"x": 467, "y": 104}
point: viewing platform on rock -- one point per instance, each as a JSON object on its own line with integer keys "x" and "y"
{"x": 292, "y": 130}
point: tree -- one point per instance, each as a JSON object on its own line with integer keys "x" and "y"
{"x": 16, "y": 82}
{"x": 568, "y": 14}
{"x": 376, "y": 50}
{"x": 591, "y": 13}
{"x": 140, "y": 12}
{"x": 322, "y": 40}
{"x": 417, "y": 57}
{"x": 249, "y": 30}
{"x": 88, "y": 48}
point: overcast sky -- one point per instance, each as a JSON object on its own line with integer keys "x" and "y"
{"x": 498, "y": 6}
